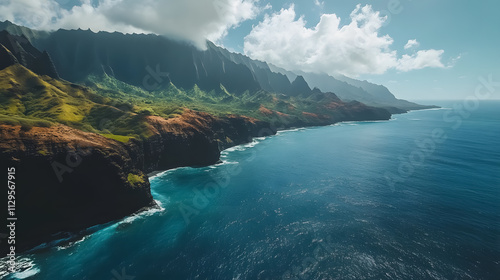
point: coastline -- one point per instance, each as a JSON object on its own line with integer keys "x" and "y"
{"x": 139, "y": 159}
{"x": 71, "y": 238}
{"x": 155, "y": 174}
{"x": 161, "y": 191}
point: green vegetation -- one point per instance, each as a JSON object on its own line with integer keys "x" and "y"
{"x": 118, "y": 110}
{"x": 29, "y": 100}
{"x": 169, "y": 101}
{"x": 26, "y": 123}
{"x": 135, "y": 180}
{"x": 123, "y": 139}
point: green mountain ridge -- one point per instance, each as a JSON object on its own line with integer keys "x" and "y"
{"x": 18, "y": 30}
{"x": 119, "y": 131}
{"x": 78, "y": 54}
{"x": 48, "y": 99}
{"x": 348, "y": 89}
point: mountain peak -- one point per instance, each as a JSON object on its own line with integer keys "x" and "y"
{"x": 18, "y": 30}
{"x": 6, "y": 58}
{"x": 20, "y": 48}
{"x": 300, "y": 86}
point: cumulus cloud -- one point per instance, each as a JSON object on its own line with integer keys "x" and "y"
{"x": 353, "y": 49}
{"x": 191, "y": 20}
{"x": 420, "y": 60}
{"x": 412, "y": 44}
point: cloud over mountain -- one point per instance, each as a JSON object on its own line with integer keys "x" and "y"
{"x": 280, "y": 38}
{"x": 191, "y": 20}
{"x": 353, "y": 49}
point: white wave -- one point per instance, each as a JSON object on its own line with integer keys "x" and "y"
{"x": 354, "y": 123}
{"x": 242, "y": 147}
{"x": 153, "y": 175}
{"x": 254, "y": 143}
{"x": 227, "y": 163}
{"x": 347, "y": 123}
{"x": 235, "y": 148}
{"x": 232, "y": 149}
{"x": 55, "y": 242}
{"x": 290, "y": 130}
{"x": 71, "y": 244}
{"x": 24, "y": 267}
{"x": 128, "y": 220}
{"x": 375, "y": 121}
{"x": 146, "y": 213}
{"x": 437, "y": 109}
{"x": 215, "y": 166}
{"x": 431, "y": 109}
{"x": 157, "y": 174}
{"x": 28, "y": 273}
{"x": 221, "y": 164}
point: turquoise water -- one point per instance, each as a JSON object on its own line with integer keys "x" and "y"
{"x": 417, "y": 197}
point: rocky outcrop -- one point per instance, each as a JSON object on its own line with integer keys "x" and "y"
{"x": 6, "y": 58}
{"x": 27, "y": 55}
{"x": 193, "y": 139}
{"x": 67, "y": 180}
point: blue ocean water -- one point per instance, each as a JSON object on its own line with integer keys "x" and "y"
{"x": 417, "y": 197}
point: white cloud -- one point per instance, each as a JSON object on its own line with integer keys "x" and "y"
{"x": 353, "y": 49}
{"x": 191, "y": 20}
{"x": 319, "y": 3}
{"x": 29, "y": 12}
{"x": 412, "y": 44}
{"x": 420, "y": 60}
{"x": 454, "y": 61}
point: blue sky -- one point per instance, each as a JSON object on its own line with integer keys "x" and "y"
{"x": 454, "y": 42}
{"x": 466, "y": 29}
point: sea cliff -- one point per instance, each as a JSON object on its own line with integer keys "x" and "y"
{"x": 68, "y": 180}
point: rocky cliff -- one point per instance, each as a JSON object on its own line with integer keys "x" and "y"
{"x": 27, "y": 55}
{"x": 81, "y": 154}
{"x": 68, "y": 180}
{"x": 192, "y": 139}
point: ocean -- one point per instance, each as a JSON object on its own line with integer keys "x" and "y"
{"x": 416, "y": 197}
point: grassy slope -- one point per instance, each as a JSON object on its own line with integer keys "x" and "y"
{"x": 32, "y": 100}
{"x": 169, "y": 101}
{"x": 117, "y": 110}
